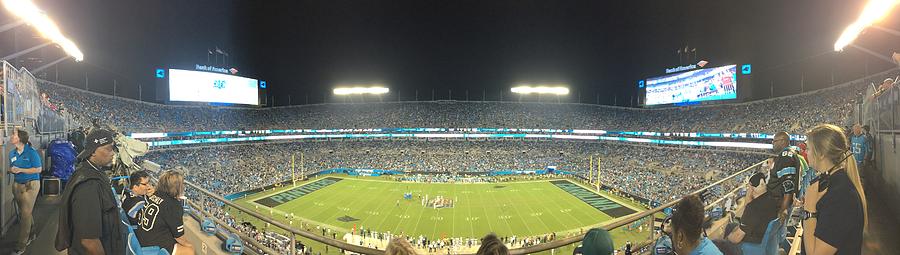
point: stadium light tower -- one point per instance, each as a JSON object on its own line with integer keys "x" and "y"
{"x": 34, "y": 16}
{"x": 375, "y": 89}
{"x": 874, "y": 11}
{"x": 549, "y": 89}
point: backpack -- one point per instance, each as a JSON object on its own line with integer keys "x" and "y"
{"x": 62, "y": 158}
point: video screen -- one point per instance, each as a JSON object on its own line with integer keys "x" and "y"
{"x": 196, "y": 86}
{"x": 719, "y": 83}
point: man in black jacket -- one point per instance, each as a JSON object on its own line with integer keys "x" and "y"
{"x": 89, "y": 221}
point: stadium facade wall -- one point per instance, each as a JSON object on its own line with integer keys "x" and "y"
{"x": 887, "y": 174}
{"x": 882, "y": 114}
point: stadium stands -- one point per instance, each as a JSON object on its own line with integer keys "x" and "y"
{"x": 768, "y": 116}
{"x": 245, "y": 167}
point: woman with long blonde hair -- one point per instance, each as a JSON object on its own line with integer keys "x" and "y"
{"x": 400, "y": 246}
{"x": 834, "y": 216}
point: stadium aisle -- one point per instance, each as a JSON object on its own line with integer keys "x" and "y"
{"x": 883, "y": 232}
{"x": 46, "y": 217}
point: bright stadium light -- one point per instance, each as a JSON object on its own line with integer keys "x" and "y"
{"x": 874, "y": 11}
{"x": 541, "y": 89}
{"x": 30, "y": 13}
{"x": 374, "y": 90}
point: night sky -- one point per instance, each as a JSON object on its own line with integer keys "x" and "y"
{"x": 304, "y": 48}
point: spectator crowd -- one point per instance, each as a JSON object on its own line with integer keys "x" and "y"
{"x": 831, "y": 105}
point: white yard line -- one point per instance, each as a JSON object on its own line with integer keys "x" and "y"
{"x": 532, "y": 208}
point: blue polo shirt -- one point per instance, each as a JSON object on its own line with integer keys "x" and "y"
{"x": 706, "y": 247}
{"x": 28, "y": 159}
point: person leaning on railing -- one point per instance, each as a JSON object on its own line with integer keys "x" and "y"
{"x": 885, "y": 86}
{"x": 834, "y": 215}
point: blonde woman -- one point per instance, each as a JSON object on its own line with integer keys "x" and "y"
{"x": 399, "y": 246}
{"x": 161, "y": 222}
{"x": 834, "y": 215}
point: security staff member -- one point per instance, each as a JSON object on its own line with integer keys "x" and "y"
{"x": 89, "y": 215}
{"x": 25, "y": 163}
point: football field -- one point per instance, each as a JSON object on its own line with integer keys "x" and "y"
{"x": 527, "y": 208}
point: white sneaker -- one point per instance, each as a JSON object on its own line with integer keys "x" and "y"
{"x": 18, "y": 252}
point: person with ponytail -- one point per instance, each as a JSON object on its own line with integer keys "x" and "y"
{"x": 834, "y": 215}
{"x": 25, "y": 163}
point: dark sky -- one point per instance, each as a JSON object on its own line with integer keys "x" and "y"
{"x": 305, "y": 48}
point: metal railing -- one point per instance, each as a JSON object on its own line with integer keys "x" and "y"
{"x": 625, "y": 220}
{"x": 222, "y": 224}
{"x": 205, "y": 214}
{"x": 365, "y": 250}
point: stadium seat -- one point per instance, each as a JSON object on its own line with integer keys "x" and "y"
{"x": 135, "y": 248}
{"x": 769, "y": 246}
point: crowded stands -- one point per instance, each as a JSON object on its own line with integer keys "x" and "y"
{"x": 831, "y": 105}
{"x": 663, "y": 168}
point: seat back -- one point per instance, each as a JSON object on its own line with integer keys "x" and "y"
{"x": 134, "y": 247}
{"x": 775, "y": 231}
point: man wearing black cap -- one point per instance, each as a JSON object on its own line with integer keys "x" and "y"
{"x": 89, "y": 215}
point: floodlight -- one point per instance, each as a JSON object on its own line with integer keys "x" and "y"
{"x": 30, "y": 13}
{"x": 541, "y": 89}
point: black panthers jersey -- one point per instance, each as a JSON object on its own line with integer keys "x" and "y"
{"x": 784, "y": 177}
{"x": 161, "y": 222}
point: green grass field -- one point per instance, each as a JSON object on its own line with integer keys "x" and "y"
{"x": 527, "y": 208}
